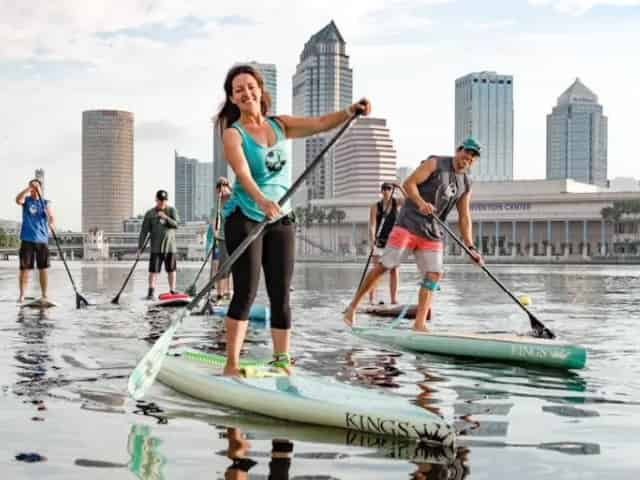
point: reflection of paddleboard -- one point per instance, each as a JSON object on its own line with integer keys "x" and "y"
{"x": 305, "y": 398}
{"x": 39, "y": 303}
{"x": 172, "y": 300}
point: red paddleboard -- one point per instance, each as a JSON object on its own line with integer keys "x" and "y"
{"x": 168, "y": 299}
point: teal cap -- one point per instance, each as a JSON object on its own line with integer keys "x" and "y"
{"x": 470, "y": 143}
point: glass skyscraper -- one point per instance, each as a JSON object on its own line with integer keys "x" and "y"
{"x": 577, "y": 137}
{"x": 323, "y": 83}
{"x": 193, "y": 188}
{"x": 484, "y": 110}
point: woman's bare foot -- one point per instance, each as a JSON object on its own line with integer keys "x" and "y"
{"x": 349, "y": 317}
{"x": 420, "y": 327}
{"x": 231, "y": 371}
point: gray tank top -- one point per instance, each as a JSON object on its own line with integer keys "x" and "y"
{"x": 442, "y": 189}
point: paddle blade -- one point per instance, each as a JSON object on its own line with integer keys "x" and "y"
{"x": 148, "y": 368}
{"x": 539, "y": 330}
{"x": 81, "y": 301}
{"x": 116, "y": 299}
{"x": 191, "y": 291}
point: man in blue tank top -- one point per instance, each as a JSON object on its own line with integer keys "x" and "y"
{"x": 37, "y": 217}
{"x": 439, "y": 184}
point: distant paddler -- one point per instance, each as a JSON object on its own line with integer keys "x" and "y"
{"x": 161, "y": 223}
{"x": 37, "y": 218}
{"x": 382, "y": 218}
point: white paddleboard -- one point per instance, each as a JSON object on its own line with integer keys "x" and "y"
{"x": 308, "y": 399}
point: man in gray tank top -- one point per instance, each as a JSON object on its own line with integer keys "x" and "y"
{"x": 437, "y": 186}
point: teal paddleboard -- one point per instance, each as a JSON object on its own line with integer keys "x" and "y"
{"x": 487, "y": 346}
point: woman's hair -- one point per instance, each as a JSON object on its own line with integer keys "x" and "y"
{"x": 229, "y": 112}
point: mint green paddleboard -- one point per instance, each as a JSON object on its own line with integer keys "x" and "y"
{"x": 304, "y": 398}
{"x": 487, "y": 346}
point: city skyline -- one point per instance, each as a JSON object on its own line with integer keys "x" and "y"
{"x": 405, "y": 56}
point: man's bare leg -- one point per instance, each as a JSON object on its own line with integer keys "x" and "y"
{"x": 22, "y": 284}
{"x": 425, "y": 297}
{"x": 394, "y": 280}
{"x": 369, "y": 282}
{"x": 171, "y": 277}
{"x": 44, "y": 282}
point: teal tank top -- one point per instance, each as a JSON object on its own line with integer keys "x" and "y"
{"x": 271, "y": 170}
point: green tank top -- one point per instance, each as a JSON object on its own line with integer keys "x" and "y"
{"x": 270, "y": 168}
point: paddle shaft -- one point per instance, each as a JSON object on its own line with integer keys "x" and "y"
{"x": 213, "y": 244}
{"x": 535, "y": 323}
{"x": 258, "y": 229}
{"x": 385, "y": 214}
{"x": 135, "y": 263}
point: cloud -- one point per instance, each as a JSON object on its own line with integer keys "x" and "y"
{"x": 579, "y": 7}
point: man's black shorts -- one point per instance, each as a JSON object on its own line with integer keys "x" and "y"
{"x": 31, "y": 253}
{"x": 157, "y": 259}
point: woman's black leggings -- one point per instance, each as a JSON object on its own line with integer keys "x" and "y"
{"x": 274, "y": 251}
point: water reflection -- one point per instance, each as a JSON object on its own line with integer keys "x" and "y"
{"x": 146, "y": 461}
{"x": 32, "y": 353}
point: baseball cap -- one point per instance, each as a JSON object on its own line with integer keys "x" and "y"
{"x": 470, "y": 143}
{"x": 162, "y": 195}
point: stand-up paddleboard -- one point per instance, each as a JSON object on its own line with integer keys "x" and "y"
{"x": 306, "y": 399}
{"x": 38, "y": 303}
{"x": 488, "y": 346}
{"x": 258, "y": 313}
{"x": 390, "y": 310}
{"x": 172, "y": 300}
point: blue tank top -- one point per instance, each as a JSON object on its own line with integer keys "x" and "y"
{"x": 271, "y": 170}
{"x": 35, "y": 227}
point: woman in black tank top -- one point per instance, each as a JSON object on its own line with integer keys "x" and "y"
{"x": 382, "y": 218}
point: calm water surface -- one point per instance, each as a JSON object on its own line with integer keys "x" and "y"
{"x": 63, "y": 383}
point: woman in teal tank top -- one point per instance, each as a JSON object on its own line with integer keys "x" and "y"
{"x": 255, "y": 148}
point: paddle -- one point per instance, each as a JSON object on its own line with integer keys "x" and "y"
{"x": 538, "y": 327}
{"x": 191, "y": 291}
{"x": 80, "y": 300}
{"x": 148, "y": 368}
{"x": 385, "y": 214}
{"x": 116, "y": 299}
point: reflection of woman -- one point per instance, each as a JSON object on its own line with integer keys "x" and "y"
{"x": 237, "y": 450}
{"x": 255, "y": 148}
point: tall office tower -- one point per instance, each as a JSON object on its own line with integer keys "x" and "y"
{"x": 364, "y": 159}
{"x": 107, "y": 169}
{"x": 204, "y": 190}
{"x": 40, "y": 176}
{"x": 193, "y": 188}
{"x": 577, "y": 137}
{"x": 484, "y": 110}
{"x": 323, "y": 83}
{"x": 402, "y": 173}
{"x": 185, "y": 183}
